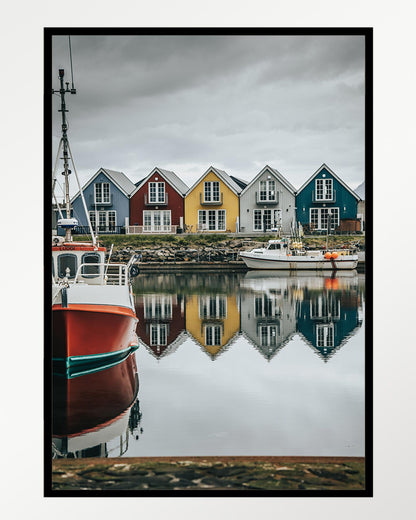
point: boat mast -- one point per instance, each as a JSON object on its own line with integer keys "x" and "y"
{"x": 64, "y": 139}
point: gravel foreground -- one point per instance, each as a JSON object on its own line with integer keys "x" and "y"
{"x": 208, "y": 474}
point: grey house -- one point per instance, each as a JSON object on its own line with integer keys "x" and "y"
{"x": 268, "y": 314}
{"x": 268, "y": 203}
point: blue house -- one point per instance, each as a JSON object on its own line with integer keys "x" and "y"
{"x": 106, "y": 195}
{"x": 327, "y": 319}
{"x": 326, "y": 194}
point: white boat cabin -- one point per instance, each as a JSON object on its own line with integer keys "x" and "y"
{"x": 77, "y": 262}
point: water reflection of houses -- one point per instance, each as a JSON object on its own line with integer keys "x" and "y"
{"x": 268, "y": 318}
{"x": 213, "y": 321}
{"x": 161, "y": 325}
{"x": 328, "y": 316}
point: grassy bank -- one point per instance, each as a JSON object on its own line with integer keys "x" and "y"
{"x": 220, "y": 240}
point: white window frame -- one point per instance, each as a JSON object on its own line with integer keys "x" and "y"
{"x": 335, "y": 221}
{"x": 161, "y": 338}
{"x": 272, "y": 331}
{"x": 269, "y": 197}
{"x": 157, "y": 199}
{"x": 162, "y": 215}
{"x": 203, "y": 219}
{"x": 99, "y": 197}
{"x": 209, "y": 191}
{"x": 327, "y": 193}
{"x": 217, "y": 304}
{"x": 215, "y": 334}
{"x": 325, "y": 333}
{"x": 157, "y": 307}
{"x": 275, "y": 219}
{"x": 96, "y": 216}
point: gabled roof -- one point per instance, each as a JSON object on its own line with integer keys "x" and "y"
{"x": 240, "y": 182}
{"x": 223, "y": 176}
{"x": 277, "y": 348}
{"x": 276, "y": 174}
{"x": 223, "y": 349}
{"x": 118, "y": 178}
{"x": 169, "y": 177}
{"x": 360, "y": 190}
{"x": 334, "y": 175}
{"x": 172, "y": 347}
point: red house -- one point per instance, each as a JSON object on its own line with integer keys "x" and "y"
{"x": 157, "y": 204}
{"x": 161, "y": 326}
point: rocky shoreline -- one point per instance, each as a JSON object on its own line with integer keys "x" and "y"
{"x": 226, "y": 252}
{"x": 207, "y": 475}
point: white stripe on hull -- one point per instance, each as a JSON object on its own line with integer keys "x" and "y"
{"x": 254, "y": 262}
{"x": 83, "y": 294}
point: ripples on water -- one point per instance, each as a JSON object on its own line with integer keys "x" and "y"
{"x": 229, "y": 364}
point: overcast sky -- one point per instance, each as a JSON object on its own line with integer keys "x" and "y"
{"x": 235, "y": 102}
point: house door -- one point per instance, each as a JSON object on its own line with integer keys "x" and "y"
{"x": 156, "y": 221}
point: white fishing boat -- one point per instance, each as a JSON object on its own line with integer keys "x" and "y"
{"x": 93, "y": 312}
{"x": 291, "y": 255}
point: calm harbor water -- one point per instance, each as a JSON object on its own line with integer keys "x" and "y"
{"x": 257, "y": 363}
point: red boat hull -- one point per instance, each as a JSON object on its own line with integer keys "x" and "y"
{"x": 90, "y": 402}
{"x": 91, "y": 332}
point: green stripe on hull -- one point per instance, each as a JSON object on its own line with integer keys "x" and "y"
{"x": 75, "y": 366}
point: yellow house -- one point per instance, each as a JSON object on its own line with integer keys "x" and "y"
{"x": 212, "y": 204}
{"x": 213, "y": 320}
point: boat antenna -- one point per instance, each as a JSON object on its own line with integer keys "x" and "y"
{"x": 64, "y": 127}
{"x": 70, "y": 59}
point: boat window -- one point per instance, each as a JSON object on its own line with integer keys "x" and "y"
{"x": 64, "y": 261}
{"x": 274, "y": 246}
{"x": 90, "y": 271}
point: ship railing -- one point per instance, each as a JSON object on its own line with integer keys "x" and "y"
{"x": 102, "y": 274}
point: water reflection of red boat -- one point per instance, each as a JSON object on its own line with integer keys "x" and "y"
{"x": 92, "y": 409}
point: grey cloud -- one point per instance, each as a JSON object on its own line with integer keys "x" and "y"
{"x": 237, "y": 102}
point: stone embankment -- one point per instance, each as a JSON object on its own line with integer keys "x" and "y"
{"x": 223, "y": 253}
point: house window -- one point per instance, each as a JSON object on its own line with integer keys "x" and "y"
{"x": 107, "y": 220}
{"x": 324, "y": 307}
{"x": 267, "y": 190}
{"x": 323, "y": 189}
{"x": 212, "y": 191}
{"x": 157, "y": 220}
{"x": 213, "y": 335}
{"x": 212, "y": 220}
{"x": 101, "y": 193}
{"x": 111, "y": 220}
{"x": 319, "y": 218}
{"x": 213, "y": 307}
{"x": 158, "y": 334}
{"x": 157, "y": 192}
{"x": 266, "y": 219}
{"x": 158, "y": 307}
{"x": 325, "y": 335}
{"x": 92, "y": 219}
{"x": 102, "y": 220}
{"x": 268, "y": 335}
